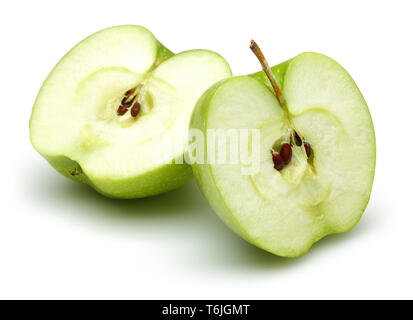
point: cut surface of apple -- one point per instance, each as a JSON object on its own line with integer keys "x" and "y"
{"x": 77, "y": 123}
{"x": 317, "y": 193}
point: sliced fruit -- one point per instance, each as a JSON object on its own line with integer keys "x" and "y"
{"x": 325, "y": 186}
{"x": 108, "y": 112}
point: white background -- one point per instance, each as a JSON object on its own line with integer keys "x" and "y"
{"x": 59, "y": 239}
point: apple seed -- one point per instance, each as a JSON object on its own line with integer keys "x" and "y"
{"x": 135, "y": 109}
{"x": 127, "y": 97}
{"x": 307, "y": 148}
{"x": 122, "y": 110}
{"x": 286, "y": 153}
{"x": 297, "y": 139}
{"x": 278, "y": 161}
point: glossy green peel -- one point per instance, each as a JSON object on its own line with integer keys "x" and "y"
{"x": 75, "y": 125}
{"x": 285, "y": 212}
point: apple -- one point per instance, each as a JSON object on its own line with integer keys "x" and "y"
{"x": 316, "y": 153}
{"x": 110, "y": 106}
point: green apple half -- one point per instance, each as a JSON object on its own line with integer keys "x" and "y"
{"x": 76, "y": 127}
{"x": 286, "y": 211}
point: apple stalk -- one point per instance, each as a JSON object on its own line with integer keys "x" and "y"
{"x": 278, "y": 93}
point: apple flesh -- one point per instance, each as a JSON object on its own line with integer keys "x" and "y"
{"x": 285, "y": 211}
{"x": 76, "y": 126}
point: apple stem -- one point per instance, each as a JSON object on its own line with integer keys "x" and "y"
{"x": 265, "y": 67}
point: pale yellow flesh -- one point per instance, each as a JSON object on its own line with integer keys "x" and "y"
{"x": 285, "y": 212}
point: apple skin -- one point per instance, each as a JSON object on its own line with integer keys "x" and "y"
{"x": 205, "y": 179}
{"x": 162, "y": 179}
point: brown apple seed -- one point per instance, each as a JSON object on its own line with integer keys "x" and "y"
{"x": 278, "y": 161}
{"x": 307, "y": 148}
{"x": 286, "y": 153}
{"x": 135, "y": 109}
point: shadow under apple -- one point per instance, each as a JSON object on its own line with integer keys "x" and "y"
{"x": 182, "y": 219}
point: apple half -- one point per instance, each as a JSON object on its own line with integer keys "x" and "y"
{"x": 107, "y": 111}
{"x": 323, "y": 187}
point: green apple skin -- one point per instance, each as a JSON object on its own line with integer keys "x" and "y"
{"x": 243, "y": 222}
{"x": 161, "y": 179}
